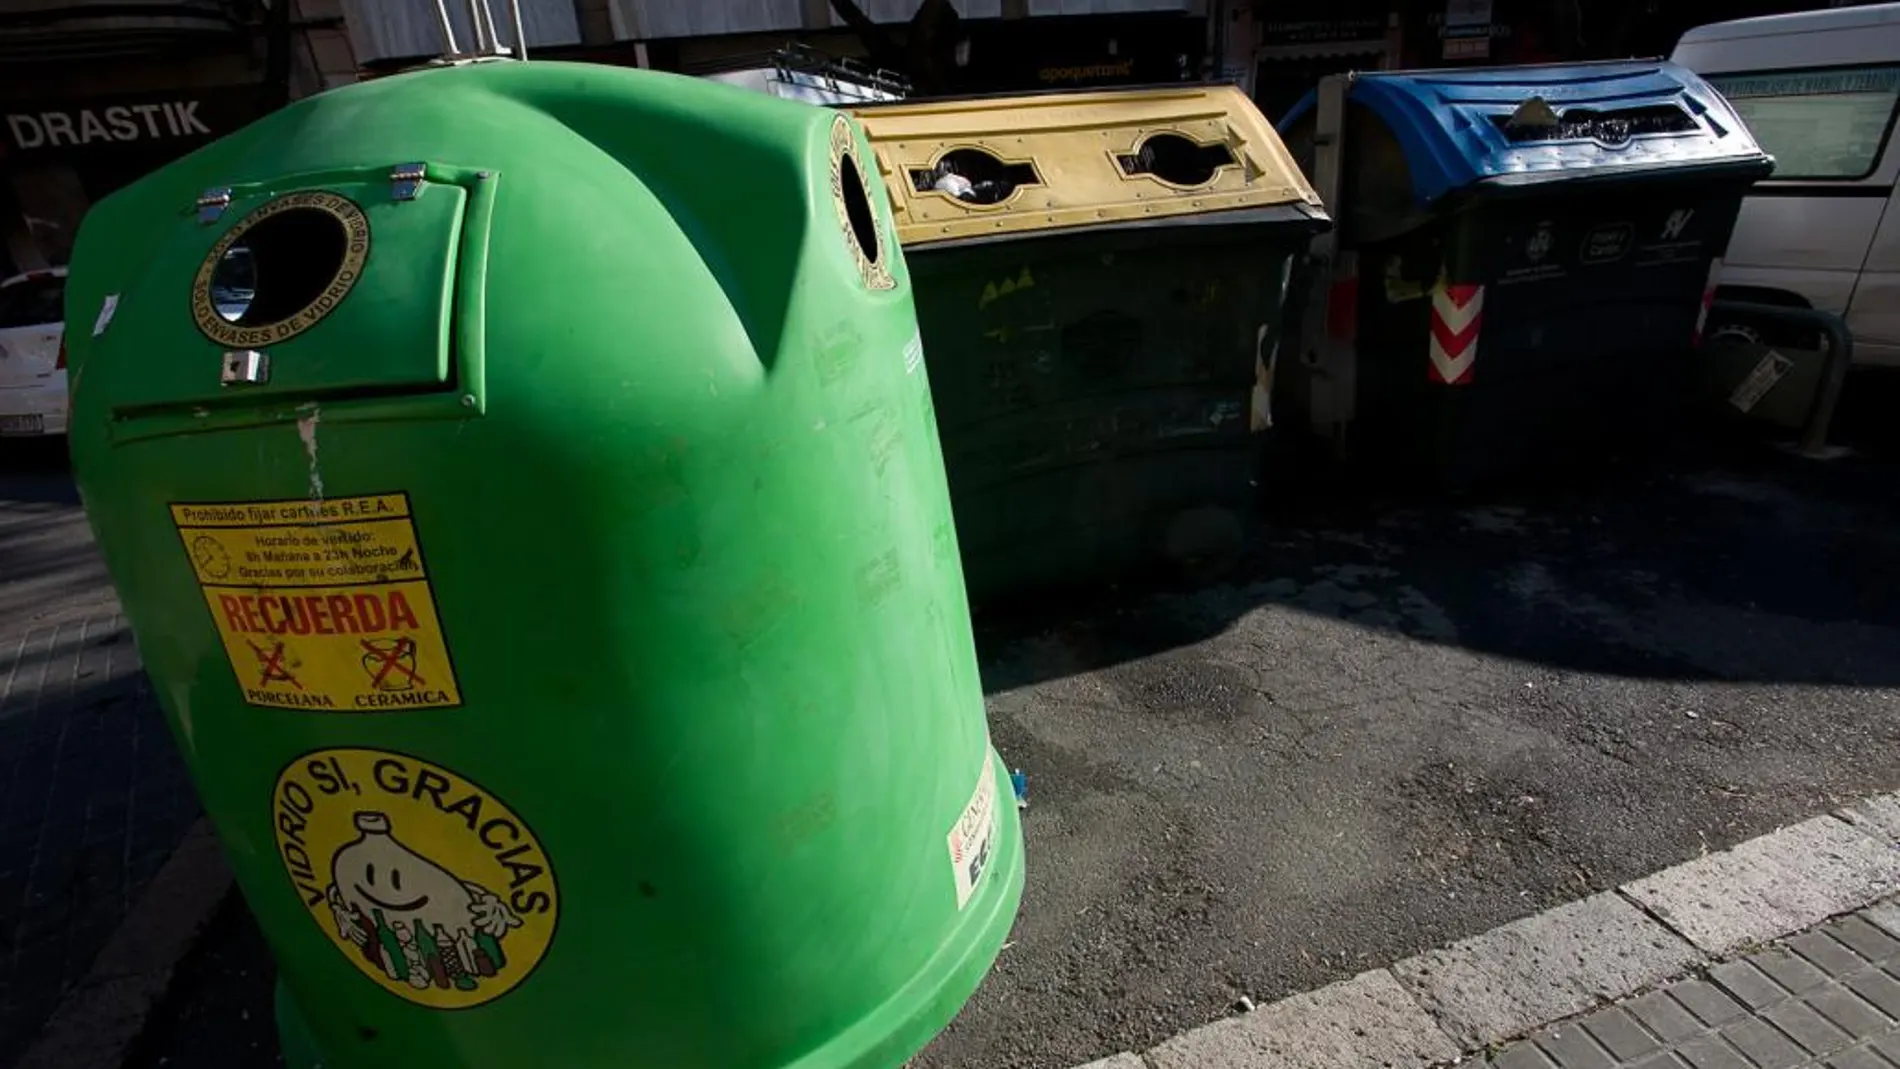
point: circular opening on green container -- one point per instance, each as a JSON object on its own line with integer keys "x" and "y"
{"x": 279, "y": 267}
{"x": 857, "y": 209}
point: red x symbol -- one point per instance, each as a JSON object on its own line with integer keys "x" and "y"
{"x": 271, "y": 662}
{"x": 390, "y": 660}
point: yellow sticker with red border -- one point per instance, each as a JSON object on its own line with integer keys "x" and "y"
{"x": 323, "y": 606}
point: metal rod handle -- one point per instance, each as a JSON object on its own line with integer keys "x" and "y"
{"x": 488, "y": 27}
{"x": 448, "y": 28}
{"x": 482, "y": 44}
{"x": 521, "y": 39}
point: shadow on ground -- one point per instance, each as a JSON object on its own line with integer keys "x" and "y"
{"x": 93, "y": 795}
{"x": 1716, "y": 558}
{"x": 233, "y": 1031}
{"x": 1406, "y": 723}
{"x": 95, "y": 798}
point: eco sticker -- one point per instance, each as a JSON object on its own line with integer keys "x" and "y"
{"x": 426, "y": 882}
{"x": 323, "y": 606}
{"x": 863, "y": 234}
{"x": 326, "y": 232}
{"x": 971, "y": 836}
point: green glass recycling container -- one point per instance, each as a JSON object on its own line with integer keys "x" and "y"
{"x": 538, "y": 539}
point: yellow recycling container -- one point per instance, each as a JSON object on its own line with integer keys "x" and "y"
{"x": 1100, "y": 280}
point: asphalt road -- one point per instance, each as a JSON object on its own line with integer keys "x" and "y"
{"x": 1403, "y": 723}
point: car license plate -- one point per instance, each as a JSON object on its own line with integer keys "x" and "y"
{"x": 22, "y": 425}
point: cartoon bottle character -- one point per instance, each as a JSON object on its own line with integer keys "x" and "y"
{"x": 411, "y": 901}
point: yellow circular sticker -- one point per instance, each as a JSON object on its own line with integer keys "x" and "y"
{"x": 871, "y": 261}
{"x": 322, "y": 300}
{"x": 426, "y": 882}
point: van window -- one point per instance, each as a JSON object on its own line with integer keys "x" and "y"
{"x": 1818, "y": 124}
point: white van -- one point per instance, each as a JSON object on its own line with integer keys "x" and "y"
{"x": 1818, "y": 90}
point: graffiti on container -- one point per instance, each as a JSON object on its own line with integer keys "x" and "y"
{"x": 426, "y": 882}
{"x": 1035, "y": 444}
{"x": 324, "y": 606}
{"x": 995, "y": 291}
{"x": 914, "y": 354}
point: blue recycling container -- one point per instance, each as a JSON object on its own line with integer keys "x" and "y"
{"x": 1526, "y": 257}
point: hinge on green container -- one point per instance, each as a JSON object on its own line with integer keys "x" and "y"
{"x": 405, "y": 180}
{"x": 211, "y": 204}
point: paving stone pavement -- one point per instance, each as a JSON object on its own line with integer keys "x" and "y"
{"x": 1828, "y": 998}
{"x": 93, "y": 798}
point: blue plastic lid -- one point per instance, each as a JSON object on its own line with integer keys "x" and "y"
{"x": 1457, "y": 127}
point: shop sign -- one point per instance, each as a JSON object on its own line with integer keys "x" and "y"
{"x": 112, "y": 123}
{"x": 1280, "y": 32}
{"x": 1466, "y": 29}
{"x": 1076, "y": 74}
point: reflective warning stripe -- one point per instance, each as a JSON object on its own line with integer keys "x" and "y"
{"x": 1708, "y": 298}
{"x": 1457, "y": 315}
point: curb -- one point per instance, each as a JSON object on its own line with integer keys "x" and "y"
{"x": 1429, "y": 1010}
{"x": 1450, "y": 1004}
{"x": 102, "y": 1016}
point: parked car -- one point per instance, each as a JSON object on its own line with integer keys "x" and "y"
{"x": 1818, "y": 89}
{"x": 33, "y": 353}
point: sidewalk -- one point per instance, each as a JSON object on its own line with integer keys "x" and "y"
{"x": 1827, "y": 997}
{"x": 93, "y": 795}
{"x": 1782, "y": 953}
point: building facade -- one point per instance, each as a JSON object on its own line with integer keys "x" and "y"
{"x": 946, "y": 46}
{"x": 94, "y": 93}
